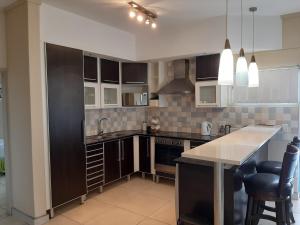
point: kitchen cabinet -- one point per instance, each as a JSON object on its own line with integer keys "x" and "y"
{"x": 110, "y": 95}
{"x": 91, "y": 95}
{"x": 94, "y": 166}
{"x": 144, "y": 154}
{"x": 90, "y": 69}
{"x": 112, "y": 158}
{"x": 110, "y": 71}
{"x": 210, "y": 94}
{"x": 66, "y": 123}
{"x": 134, "y": 73}
{"x": 127, "y": 156}
{"x": 207, "y": 67}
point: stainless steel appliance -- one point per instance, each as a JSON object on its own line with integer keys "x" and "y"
{"x": 166, "y": 151}
{"x": 135, "y": 99}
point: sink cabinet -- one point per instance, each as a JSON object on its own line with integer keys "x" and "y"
{"x": 112, "y": 158}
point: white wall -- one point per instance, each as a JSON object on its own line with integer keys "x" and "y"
{"x": 208, "y": 37}
{"x": 71, "y": 30}
{"x": 2, "y": 41}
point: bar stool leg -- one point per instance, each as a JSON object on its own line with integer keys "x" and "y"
{"x": 249, "y": 211}
{"x": 290, "y": 208}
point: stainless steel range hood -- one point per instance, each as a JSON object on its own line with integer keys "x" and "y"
{"x": 181, "y": 83}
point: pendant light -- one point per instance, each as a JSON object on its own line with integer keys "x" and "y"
{"x": 241, "y": 65}
{"x": 225, "y": 76}
{"x": 253, "y": 69}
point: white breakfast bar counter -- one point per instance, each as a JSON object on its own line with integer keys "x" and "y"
{"x": 222, "y": 154}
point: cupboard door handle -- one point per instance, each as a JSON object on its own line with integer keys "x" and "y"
{"x": 83, "y": 130}
{"x": 123, "y": 155}
{"x": 111, "y": 81}
{"x": 134, "y": 82}
{"x": 148, "y": 153}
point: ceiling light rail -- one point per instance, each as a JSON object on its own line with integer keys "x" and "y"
{"x": 142, "y": 14}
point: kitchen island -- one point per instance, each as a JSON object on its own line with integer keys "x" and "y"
{"x": 209, "y": 187}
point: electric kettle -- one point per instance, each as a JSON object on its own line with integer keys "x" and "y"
{"x": 206, "y": 128}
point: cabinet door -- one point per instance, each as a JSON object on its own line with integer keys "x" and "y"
{"x": 110, "y": 71}
{"x": 90, "y": 69}
{"x": 145, "y": 155}
{"x": 127, "y": 156}
{"x": 207, "y": 67}
{"x": 134, "y": 73}
{"x": 66, "y": 123}
{"x": 112, "y": 161}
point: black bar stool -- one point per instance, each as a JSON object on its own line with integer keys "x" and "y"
{"x": 274, "y": 167}
{"x": 262, "y": 187}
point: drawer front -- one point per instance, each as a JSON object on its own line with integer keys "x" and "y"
{"x": 91, "y": 147}
{"x": 94, "y": 166}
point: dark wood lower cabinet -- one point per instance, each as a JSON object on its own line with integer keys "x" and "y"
{"x": 145, "y": 154}
{"x": 127, "y": 163}
{"x": 112, "y": 158}
{"x": 66, "y": 123}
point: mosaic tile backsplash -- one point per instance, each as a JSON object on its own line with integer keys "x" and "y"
{"x": 118, "y": 119}
{"x": 181, "y": 115}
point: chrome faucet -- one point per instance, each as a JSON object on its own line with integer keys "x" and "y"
{"x": 100, "y": 131}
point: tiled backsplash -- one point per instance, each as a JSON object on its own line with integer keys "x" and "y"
{"x": 181, "y": 115}
{"x": 118, "y": 119}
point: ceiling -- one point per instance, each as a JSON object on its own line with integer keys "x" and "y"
{"x": 171, "y": 13}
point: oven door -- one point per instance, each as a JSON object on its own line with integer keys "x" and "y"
{"x": 165, "y": 156}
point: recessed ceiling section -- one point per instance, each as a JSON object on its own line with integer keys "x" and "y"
{"x": 171, "y": 13}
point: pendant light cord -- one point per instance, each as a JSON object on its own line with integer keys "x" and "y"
{"x": 226, "y": 19}
{"x": 253, "y": 23}
{"x": 241, "y": 23}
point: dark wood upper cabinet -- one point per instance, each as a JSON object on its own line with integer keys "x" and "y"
{"x": 207, "y": 67}
{"x": 112, "y": 158}
{"x": 134, "y": 73}
{"x": 127, "y": 156}
{"x": 66, "y": 123}
{"x": 145, "y": 154}
{"x": 109, "y": 71}
{"x": 90, "y": 69}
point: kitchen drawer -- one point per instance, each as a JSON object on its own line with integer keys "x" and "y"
{"x": 95, "y": 186}
{"x": 91, "y": 147}
{"x": 95, "y": 180}
{"x": 94, "y": 169}
{"x": 94, "y": 175}
{"x": 94, "y": 152}
{"x": 95, "y": 157}
{"x": 94, "y": 163}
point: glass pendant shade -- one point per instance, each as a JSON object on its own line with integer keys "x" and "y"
{"x": 253, "y": 73}
{"x": 225, "y": 76}
{"x": 241, "y": 70}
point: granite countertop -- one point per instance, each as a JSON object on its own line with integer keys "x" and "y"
{"x": 235, "y": 147}
{"x": 165, "y": 134}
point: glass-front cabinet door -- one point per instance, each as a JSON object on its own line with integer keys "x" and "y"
{"x": 110, "y": 96}
{"x": 210, "y": 94}
{"x": 91, "y": 95}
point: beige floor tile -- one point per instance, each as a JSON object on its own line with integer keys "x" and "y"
{"x": 151, "y": 222}
{"x": 61, "y": 220}
{"x": 116, "y": 216}
{"x": 89, "y": 210}
{"x": 116, "y": 195}
{"x": 142, "y": 204}
{"x": 166, "y": 214}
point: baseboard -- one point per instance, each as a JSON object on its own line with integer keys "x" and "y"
{"x": 28, "y": 219}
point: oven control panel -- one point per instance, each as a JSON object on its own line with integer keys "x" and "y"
{"x": 169, "y": 141}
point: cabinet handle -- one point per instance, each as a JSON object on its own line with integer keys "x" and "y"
{"x": 119, "y": 156}
{"x": 148, "y": 153}
{"x": 83, "y": 130}
{"x": 111, "y": 81}
{"x": 134, "y": 82}
{"x": 123, "y": 157}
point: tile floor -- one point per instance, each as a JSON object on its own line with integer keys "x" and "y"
{"x": 137, "y": 202}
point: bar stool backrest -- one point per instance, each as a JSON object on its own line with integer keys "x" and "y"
{"x": 296, "y": 141}
{"x": 289, "y": 165}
